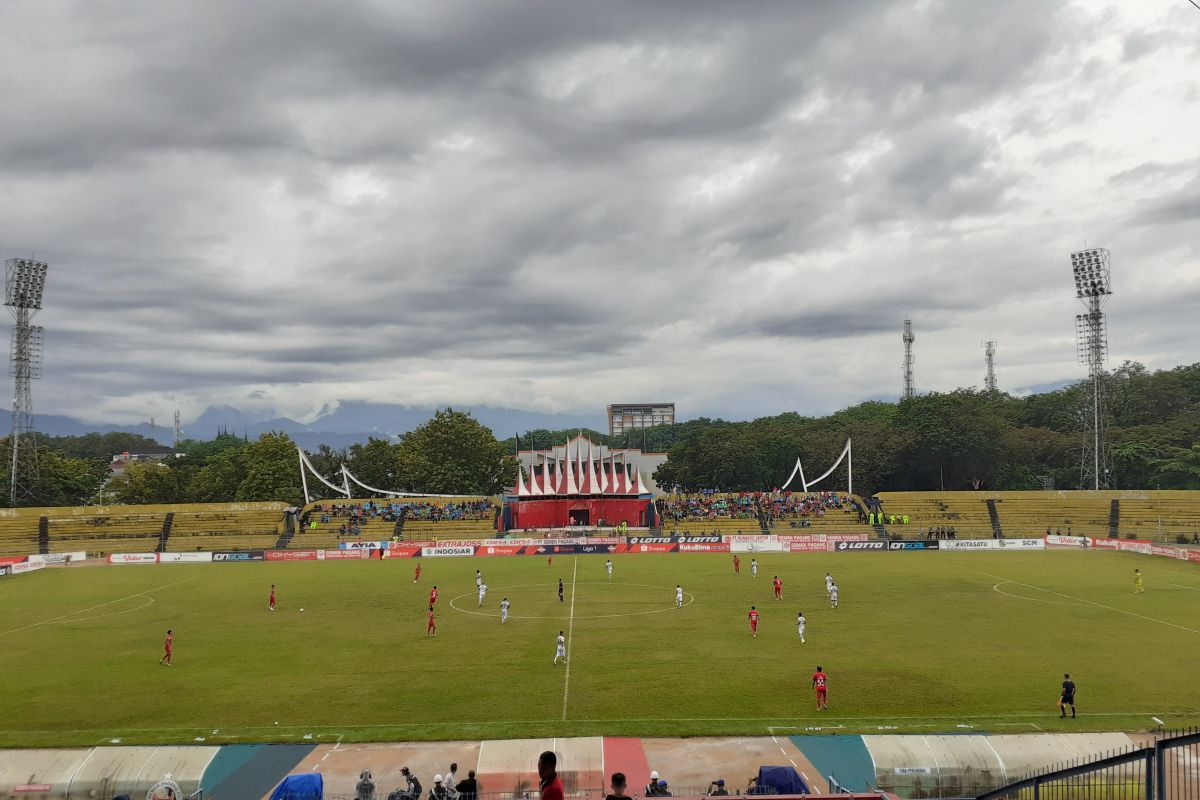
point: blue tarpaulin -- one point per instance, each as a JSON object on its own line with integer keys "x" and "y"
{"x": 300, "y": 787}
{"x": 782, "y": 780}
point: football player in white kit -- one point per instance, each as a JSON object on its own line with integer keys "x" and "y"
{"x": 504, "y": 604}
{"x": 828, "y": 583}
{"x": 833, "y": 595}
{"x": 482, "y": 592}
{"x": 754, "y": 568}
{"x": 608, "y": 565}
{"x": 478, "y": 579}
{"x": 800, "y": 623}
{"x": 560, "y": 649}
{"x": 678, "y": 596}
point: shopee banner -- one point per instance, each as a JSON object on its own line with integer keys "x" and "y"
{"x": 499, "y": 550}
{"x": 133, "y": 558}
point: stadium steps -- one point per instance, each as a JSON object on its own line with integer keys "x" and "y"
{"x": 43, "y": 535}
{"x": 1114, "y": 518}
{"x": 284, "y": 540}
{"x": 168, "y": 520}
{"x": 994, "y": 516}
{"x": 880, "y": 531}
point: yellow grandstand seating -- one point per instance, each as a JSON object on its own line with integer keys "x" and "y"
{"x": 116, "y": 532}
{"x": 963, "y": 511}
{"x": 18, "y": 536}
{"x": 325, "y": 534}
{"x": 224, "y": 530}
{"x": 1161, "y": 518}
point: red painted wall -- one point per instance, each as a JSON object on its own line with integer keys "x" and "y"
{"x": 557, "y": 513}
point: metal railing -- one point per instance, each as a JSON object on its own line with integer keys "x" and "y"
{"x": 1168, "y": 770}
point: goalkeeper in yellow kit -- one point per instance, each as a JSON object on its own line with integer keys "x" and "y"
{"x": 1139, "y": 585}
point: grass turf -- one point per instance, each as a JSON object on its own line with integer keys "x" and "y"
{"x": 922, "y": 642}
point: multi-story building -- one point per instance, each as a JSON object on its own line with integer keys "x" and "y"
{"x": 625, "y": 417}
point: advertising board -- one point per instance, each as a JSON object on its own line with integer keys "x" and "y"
{"x": 1169, "y": 552}
{"x": 918, "y": 544}
{"x": 859, "y": 547}
{"x": 808, "y": 547}
{"x": 711, "y": 547}
{"x": 446, "y": 551}
{"x": 239, "y": 555}
{"x": 57, "y": 558}
{"x": 20, "y": 569}
{"x": 763, "y": 544}
{"x": 184, "y": 558}
{"x": 499, "y": 550}
{"x": 1193, "y": 555}
{"x": 1106, "y": 544}
{"x": 133, "y": 558}
{"x": 1066, "y": 541}
{"x": 291, "y": 555}
{"x": 991, "y": 544}
{"x": 344, "y": 555}
{"x": 847, "y": 537}
{"x": 1134, "y": 546}
{"x": 360, "y": 545}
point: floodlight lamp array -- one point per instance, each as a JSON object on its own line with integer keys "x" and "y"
{"x": 1092, "y": 273}
{"x": 24, "y": 281}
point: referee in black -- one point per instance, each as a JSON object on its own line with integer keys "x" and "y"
{"x": 1068, "y": 697}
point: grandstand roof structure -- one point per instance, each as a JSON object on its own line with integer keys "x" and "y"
{"x": 580, "y": 468}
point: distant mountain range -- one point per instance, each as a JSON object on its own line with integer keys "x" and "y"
{"x": 339, "y": 427}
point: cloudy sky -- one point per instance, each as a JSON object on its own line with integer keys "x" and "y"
{"x": 553, "y": 206}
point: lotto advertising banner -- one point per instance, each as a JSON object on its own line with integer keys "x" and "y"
{"x": 859, "y": 547}
{"x": 184, "y": 558}
{"x": 291, "y": 555}
{"x": 990, "y": 544}
{"x": 919, "y": 544}
{"x": 241, "y": 555}
{"x": 447, "y": 552}
{"x": 1135, "y": 546}
{"x": 133, "y": 558}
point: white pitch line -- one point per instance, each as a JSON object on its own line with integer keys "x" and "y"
{"x": 1082, "y": 600}
{"x": 63, "y": 617}
{"x": 1181, "y": 586}
{"x": 570, "y": 630}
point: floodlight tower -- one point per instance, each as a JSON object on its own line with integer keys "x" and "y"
{"x": 178, "y": 434}
{"x": 908, "y": 339}
{"x": 989, "y": 354}
{"x": 24, "y": 280}
{"x": 1093, "y": 287}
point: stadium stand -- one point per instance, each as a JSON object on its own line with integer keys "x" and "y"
{"x": 1153, "y": 515}
{"x": 18, "y": 535}
{"x": 224, "y": 530}
{"x": 325, "y": 523}
{"x": 760, "y": 512}
{"x": 107, "y": 533}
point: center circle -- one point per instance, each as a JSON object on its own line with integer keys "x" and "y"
{"x": 688, "y": 599}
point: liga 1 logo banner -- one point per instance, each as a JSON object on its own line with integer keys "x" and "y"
{"x": 184, "y": 558}
{"x": 446, "y": 551}
{"x": 133, "y": 558}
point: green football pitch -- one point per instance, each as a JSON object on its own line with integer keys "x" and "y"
{"x": 921, "y": 642}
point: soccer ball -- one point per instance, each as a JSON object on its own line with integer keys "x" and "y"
{"x": 302, "y": 609}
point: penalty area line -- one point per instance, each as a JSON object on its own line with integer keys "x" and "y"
{"x": 66, "y": 617}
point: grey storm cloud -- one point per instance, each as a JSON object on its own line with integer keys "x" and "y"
{"x": 291, "y": 204}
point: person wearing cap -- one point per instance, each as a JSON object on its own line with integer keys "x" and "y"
{"x": 663, "y": 791}
{"x": 717, "y": 788}
{"x": 365, "y": 789}
{"x": 548, "y": 780}
{"x": 651, "y": 789}
{"x": 618, "y": 787}
{"x": 412, "y": 786}
{"x": 438, "y": 792}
